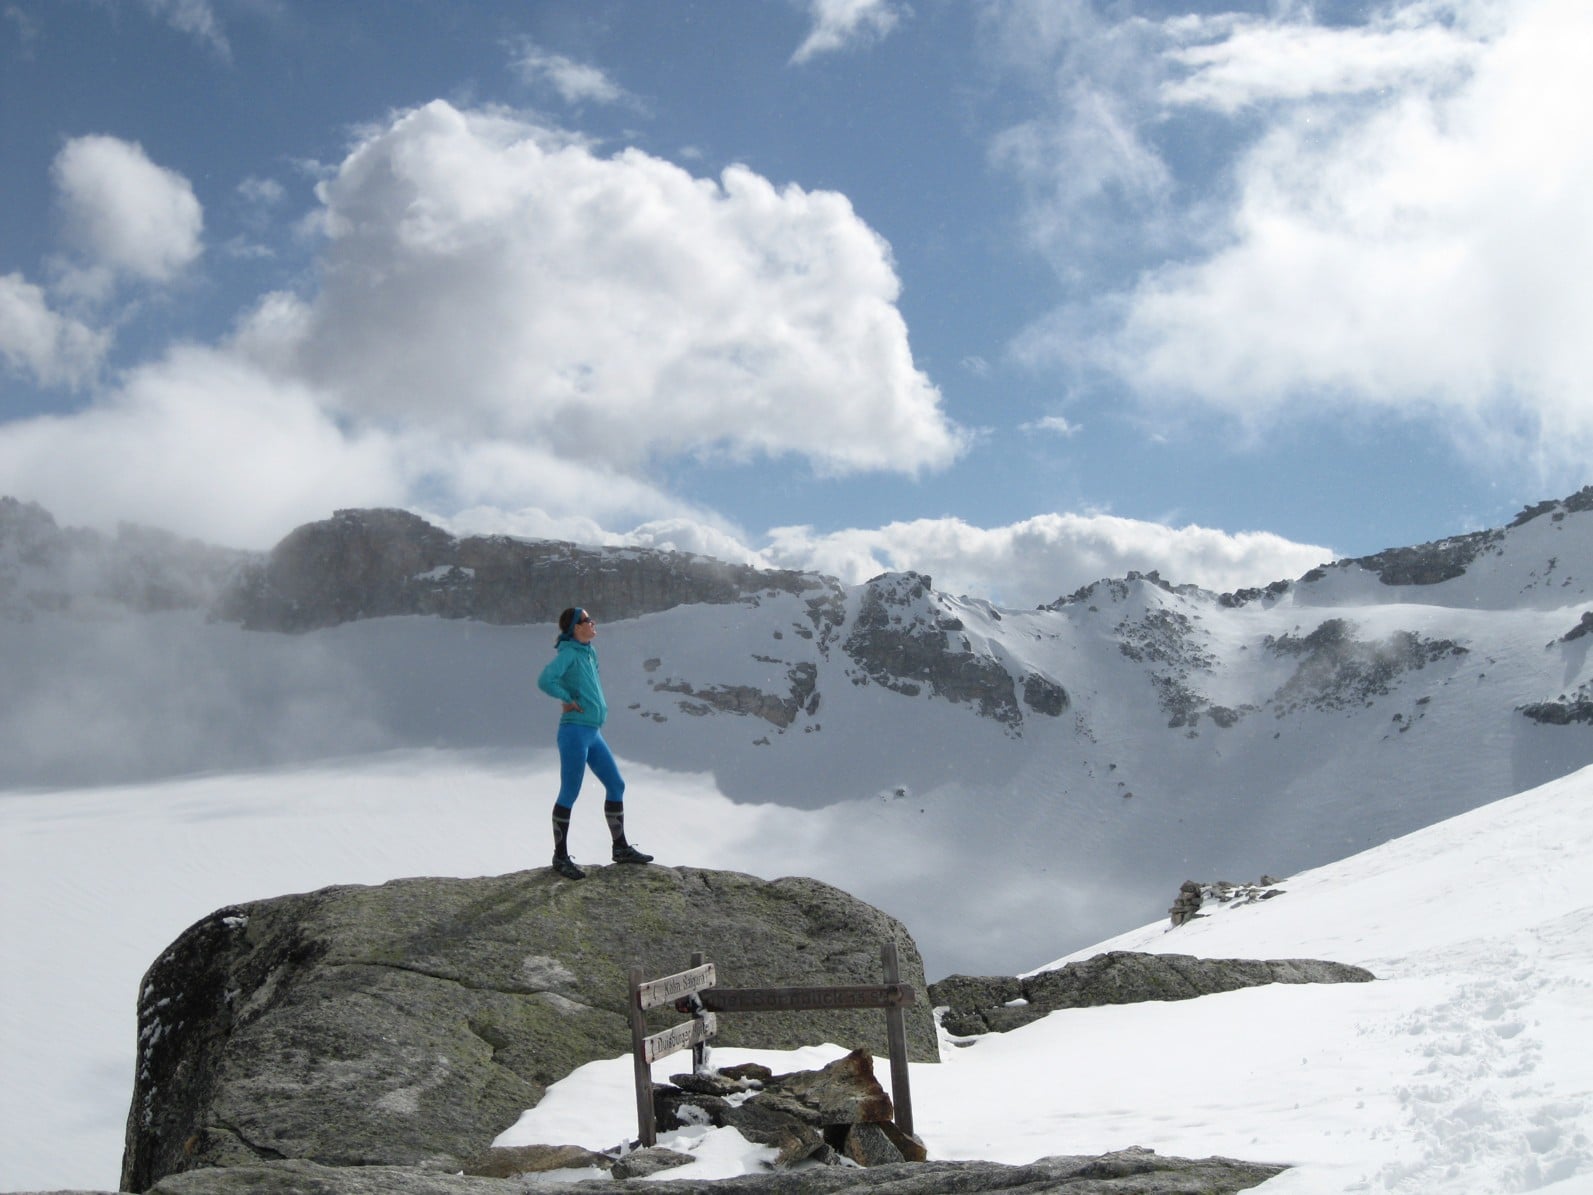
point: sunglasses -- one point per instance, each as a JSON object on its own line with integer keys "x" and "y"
{"x": 583, "y": 619}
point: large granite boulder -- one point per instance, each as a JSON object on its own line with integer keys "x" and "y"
{"x": 413, "y": 1022}
{"x": 1124, "y": 1172}
{"x": 978, "y": 1004}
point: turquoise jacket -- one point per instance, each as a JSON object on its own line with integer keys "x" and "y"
{"x": 572, "y": 676}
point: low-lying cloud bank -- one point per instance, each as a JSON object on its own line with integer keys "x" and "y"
{"x": 1049, "y": 556}
{"x": 1028, "y": 563}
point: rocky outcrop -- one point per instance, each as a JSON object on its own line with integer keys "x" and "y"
{"x": 899, "y": 640}
{"x": 1193, "y": 896}
{"x": 1173, "y": 647}
{"x": 1557, "y": 508}
{"x": 1337, "y": 670}
{"x": 996, "y": 1004}
{"x": 411, "y": 1023}
{"x": 1429, "y": 564}
{"x": 1243, "y": 597}
{"x": 905, "y": 639}
{"x": 1446, "y": 559}
{"x": 779, "y": 709}
{"x": 1124, "y": 1172}
{"x": 376, "y": 563}
{"x": 1583, "y": 628}
{"x": 1117, "y": 589}
{"x": 1565, "y": 710}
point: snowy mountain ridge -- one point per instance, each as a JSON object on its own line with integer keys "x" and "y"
{"x": 1061, "y": 767}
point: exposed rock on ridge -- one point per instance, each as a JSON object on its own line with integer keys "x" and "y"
{"x": 905, "y": 639}
{"x": 1431, "y": 563}
{"x": 778, "y": 709}
{"x": 1447, "y": 559}
{"x": 1337, "y": 670}
{"x": 376, "y": 563}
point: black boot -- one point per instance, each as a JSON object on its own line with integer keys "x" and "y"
{"x": 562, "y": 863}
{"x": 566, "y": 867}
{"x": 624, "y": 852}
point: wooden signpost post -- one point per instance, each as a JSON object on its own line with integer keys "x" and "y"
{"x": 693, "y": 991}
{"x": 648, "y": 1050}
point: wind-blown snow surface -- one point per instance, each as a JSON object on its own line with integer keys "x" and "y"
{"x": 1467, "y": 1068}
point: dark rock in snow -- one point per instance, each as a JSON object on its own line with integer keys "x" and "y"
{"x": 906, "y": 640}
{"x": 1193, "y": 896}
{"x": 1583, "y": 627}
{"x": 1432, "y": 563}
{"x": 1564, "y": 712}
{"x": 1337, "y": 670}
{"x": 1117, "y": 977}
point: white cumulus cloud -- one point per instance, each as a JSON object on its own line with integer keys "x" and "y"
{"x": 487, "y": 279}
{"x": 123, "y": 213}
{"x": 54, "y": 349}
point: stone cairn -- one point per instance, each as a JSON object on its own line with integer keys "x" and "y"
{"x": 1193, "y": 895}
{"x": 836, "y": 1116}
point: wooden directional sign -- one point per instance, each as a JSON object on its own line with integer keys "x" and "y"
{"x": 693, "y": 991}
{"x": 880, "y": 995}
{"x": 675, "y": 987}
{"x": 682, "y": 1036}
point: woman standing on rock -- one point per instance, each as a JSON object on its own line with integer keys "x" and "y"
{"x": 572, "y": 678}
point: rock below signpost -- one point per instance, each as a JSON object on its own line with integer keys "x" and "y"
{"x": 838, "y": 1112}
{"x": 409, "y": 1024}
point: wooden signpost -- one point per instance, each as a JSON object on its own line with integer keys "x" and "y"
{"x": 672, "y": 989}
{"x": 693, "y": 992}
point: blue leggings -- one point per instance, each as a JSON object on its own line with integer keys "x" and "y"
{"x": 582, "y": 747}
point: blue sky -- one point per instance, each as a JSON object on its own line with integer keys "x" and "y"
{"x": 1017, "y": 294}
